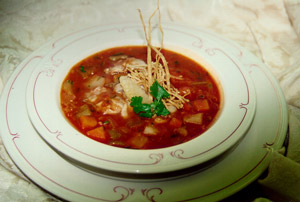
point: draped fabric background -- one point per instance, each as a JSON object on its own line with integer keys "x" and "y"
{"x": 268, "y": 28}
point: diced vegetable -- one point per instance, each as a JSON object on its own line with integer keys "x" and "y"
{"x": 97, "y": 133}
{"x": 84, "y": 110}
{"x": 87, "y": 122}
{"x": 134, "y": 123}
{"x": 150, "y": 130}
{"x": 201, "y": 105}
{"x": 193, "y": 118}
{"x": 114, "y": 134}
{"x": 172, "y": 109}
{"x": 175, "y": 123}
{"x": 182, "y": 131}
{"x": 138, "y": 141}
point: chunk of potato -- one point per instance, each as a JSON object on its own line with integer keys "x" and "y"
{"x": 84, "y": 110}
{"x": 193, "y": 118}
{"x": 138, "y": 141}
{"x": 150, "y": 130}
{"x": 181, "y": 131}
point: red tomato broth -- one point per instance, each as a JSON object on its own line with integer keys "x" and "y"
{"x": 128, "y": 132}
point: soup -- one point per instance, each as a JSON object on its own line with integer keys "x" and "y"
{"x": 96, "y": 97}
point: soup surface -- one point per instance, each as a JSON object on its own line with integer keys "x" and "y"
{"x": 93, "y": 100}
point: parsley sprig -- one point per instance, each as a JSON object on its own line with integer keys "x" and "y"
{"x": 156, "y": 107}
{"x": 82, "y": 69}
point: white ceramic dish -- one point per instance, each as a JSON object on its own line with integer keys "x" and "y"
{"x": 236, "y": 86}
{"x": 53, "y": 173}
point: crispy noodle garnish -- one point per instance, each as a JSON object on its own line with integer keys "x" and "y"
{"x": 145, "y": 75}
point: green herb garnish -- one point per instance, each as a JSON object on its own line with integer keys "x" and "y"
{"x": 70, "y": 82}
{"x": 156, "y": 107}
{"x": 106, "y": 122}
{"x": 82, "y": 69}
{"x": 158, "y": 91}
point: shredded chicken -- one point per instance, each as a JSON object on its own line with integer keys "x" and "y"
{"x": 131, "y": 89}
{"x": 117, "y": 105}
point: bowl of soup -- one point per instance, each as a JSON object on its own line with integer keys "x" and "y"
{"x": 107, "y": 99}
{"x": 96, "y": 98}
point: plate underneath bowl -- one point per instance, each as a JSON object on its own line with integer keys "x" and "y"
{"x": 53, "y": 173}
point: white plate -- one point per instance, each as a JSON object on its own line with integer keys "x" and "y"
{"x": 62, "y": 178}
{"x": 237, "y": 91}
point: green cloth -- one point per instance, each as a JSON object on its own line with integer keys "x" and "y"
{"x": 283, "y": 180}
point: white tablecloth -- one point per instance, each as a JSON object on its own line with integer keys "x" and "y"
{"x": 268, "y": 28}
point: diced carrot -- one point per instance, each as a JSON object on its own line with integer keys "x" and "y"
{"x": 138, "y": 141}
{"x": 87, "y": 122}
{"x": 175, "y": 123}
{"x": 200, "y": 105}
{"x": 97, "y": 133}
{"x": 130, "y": 109}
